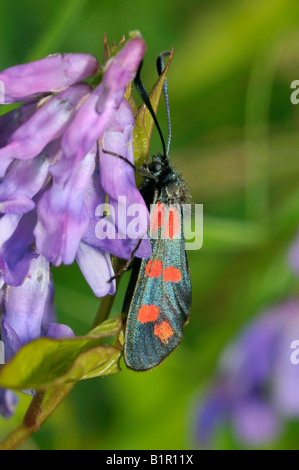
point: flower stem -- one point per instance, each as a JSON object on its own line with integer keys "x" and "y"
{"x": 107, "y": 302}
{"x": 41, "y": 407}
{"x": 35, "y": 408}
{"x": 103, "y": 310}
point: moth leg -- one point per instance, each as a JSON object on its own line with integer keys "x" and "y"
{"x": 127, "y": 265}
{"x": 156, "y": 194}
{"x": 142, "y": 171}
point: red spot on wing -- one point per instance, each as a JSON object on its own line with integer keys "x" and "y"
{"x": 158, "y": 216}
{"x": 163, "y": 331}
{"x": 154, "y": 268}
{"x": 173, "y": 225}
{"x": 148, "y": 313}
{"x": 171, "y": 274}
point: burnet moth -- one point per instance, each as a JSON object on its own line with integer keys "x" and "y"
{"x": 158, "y": 297}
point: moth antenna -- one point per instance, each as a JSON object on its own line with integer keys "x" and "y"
{"x": 161, "y": 68}
{"x": 143, "y": 93}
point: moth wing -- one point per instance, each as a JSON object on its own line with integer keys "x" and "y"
{"x": 160, "y": 304}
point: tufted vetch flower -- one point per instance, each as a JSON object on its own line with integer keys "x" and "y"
{"x": 54, "y": 173}
{"x": 256, "y": 386}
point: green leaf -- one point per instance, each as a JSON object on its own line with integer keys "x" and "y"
{"x": 144, "y": 122}
{"x": 48, "y": 362}
{"x": 108, "y": 366}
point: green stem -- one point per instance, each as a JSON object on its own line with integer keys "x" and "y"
{"x": 103, "y": 310}
{"x": 41, "y": 407}
{"x": 107, "y": 302}
{"x": 35, "y": 407}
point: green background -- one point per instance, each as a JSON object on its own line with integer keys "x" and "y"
{"x": 235, "y": 139}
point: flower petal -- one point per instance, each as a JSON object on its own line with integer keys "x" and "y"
{"x": 95, "y": 113}
{"x": 250, "y": 359}
{"x": 56, "y": 330}
{"x": 117, "y": 176}
{"x": 8, "y": 402}
{"x": 17, "y": 204}
{"x": 25, "y": 304}
{"x": 8, "y": 224}
{"x": 96, "y": 267}
{"x": 23, "y": 180}
{"x": 49, "y": 315}
{"x": 10, "y": 121}
{"x": 119, "y": 71}
{"x": 255, "y": 421}
{"x": 62, "y": 214}
{"x": 17, "y": 252}
{"x": 102, "y": 230}
{"x": 52, "y": 73}
{"x": 46, "y": 124}
{"x": 285, "y": 380}
{"x": 214, "y": 410}
{"x": 11, "y": 340}
{"x": 26, "y": 310}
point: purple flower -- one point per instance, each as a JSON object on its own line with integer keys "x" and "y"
{"x": 28, "y": 312}
{"x": 62, "y": 213}
{"x": 50, "y": 164}
{"x": 26, "y": 81}
{"x": 8, "y": 403}
{"x": 256, "y": 387}
{"x": 54, "y": 174}
{"x": 10, "y": 122}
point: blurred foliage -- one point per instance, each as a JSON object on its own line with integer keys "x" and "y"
{"x": 235, "y": 138}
